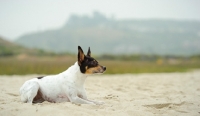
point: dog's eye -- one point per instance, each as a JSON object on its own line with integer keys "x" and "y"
{"x": 93, "y": 63}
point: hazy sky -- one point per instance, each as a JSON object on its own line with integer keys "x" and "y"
{"x": 18, "y": 17}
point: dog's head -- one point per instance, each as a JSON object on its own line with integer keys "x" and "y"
{"x": 88, "y": 65}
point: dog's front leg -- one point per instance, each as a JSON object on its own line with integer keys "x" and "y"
{"x": 96, "y": 102}
{"x": 77, "y": 100}
{"x": 84, "y": 96}
{"x": 81, "y": 101}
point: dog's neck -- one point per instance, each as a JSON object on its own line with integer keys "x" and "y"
{"x": 75, "y": 74}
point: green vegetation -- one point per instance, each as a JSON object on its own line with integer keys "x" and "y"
{"x": 23, "y": 64}
{"x": 148, "y": 67}
{"x": 15, "y": 59}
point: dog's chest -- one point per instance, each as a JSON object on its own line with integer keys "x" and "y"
{"x": 77, "y": 89}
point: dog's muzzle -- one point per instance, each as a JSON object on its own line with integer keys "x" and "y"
{"x": 103, "y": 69}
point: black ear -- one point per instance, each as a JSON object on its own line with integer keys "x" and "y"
{"x": 89, "y": 52}
{"x": 81, "y": 55}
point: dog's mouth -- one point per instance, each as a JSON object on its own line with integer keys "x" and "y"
{"x": 100, "y": 70}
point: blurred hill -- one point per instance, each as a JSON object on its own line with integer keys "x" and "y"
{"x": 107, "y": 35}
{"x": 10, "y": 49}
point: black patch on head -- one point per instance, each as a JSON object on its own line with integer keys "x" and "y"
{"x": 88, "y": 62}
{"x": 40, "y": 77}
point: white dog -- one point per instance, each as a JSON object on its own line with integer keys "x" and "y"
{"x": 67, "y": 86}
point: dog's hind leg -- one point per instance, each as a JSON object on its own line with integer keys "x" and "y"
{"x": 28, "y": 91}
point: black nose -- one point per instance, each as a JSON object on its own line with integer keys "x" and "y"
{"x": 104, "y": 68}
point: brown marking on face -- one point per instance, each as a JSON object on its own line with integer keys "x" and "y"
{"x": 93, "y": 70}
{"x": 86, "y": 67}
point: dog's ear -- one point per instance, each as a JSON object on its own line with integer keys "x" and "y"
{"x": 81, "y": 55}
{"x": 89, "y": 52}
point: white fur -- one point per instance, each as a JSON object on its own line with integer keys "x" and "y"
{"x": 67, "y": 86}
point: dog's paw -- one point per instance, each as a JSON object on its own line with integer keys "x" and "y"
{"x": 99, "y": 102}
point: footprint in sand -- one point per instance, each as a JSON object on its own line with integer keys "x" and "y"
{"x": 172, "y": 106}
{"x": 110, "y": 96}
{"x": 12, "y": 94}
{"x": 164, "y": 105}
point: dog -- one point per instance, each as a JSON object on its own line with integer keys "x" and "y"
{"x": 67, "y": 86}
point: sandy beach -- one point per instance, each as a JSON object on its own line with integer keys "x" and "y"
{"x": 169, "y": 94}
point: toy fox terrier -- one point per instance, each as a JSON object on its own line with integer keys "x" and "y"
{"x": 67, "y": 86}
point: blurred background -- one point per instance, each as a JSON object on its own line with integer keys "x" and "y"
{"x": 127, "y": 36}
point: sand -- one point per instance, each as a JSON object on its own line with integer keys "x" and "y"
{"x": 169, "y": 94}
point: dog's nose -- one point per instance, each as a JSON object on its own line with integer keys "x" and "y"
{"x": 104, "y": 68}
